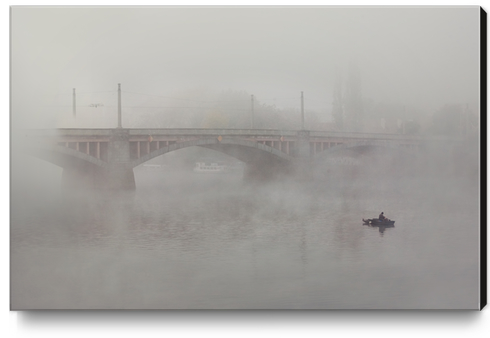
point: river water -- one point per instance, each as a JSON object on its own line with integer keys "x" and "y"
{"x": 194, "y": 241}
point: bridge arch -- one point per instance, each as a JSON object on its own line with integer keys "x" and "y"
{"x": 81, "y": 171}
{"x": 361, "y": 145}
{"x": 243, "y": 150}
{"x": 63, "y": 156}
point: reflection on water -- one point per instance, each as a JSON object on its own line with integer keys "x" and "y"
{"x": 196, "y": 241}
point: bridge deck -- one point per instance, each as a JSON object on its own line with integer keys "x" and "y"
{"x": 225, "y": 132}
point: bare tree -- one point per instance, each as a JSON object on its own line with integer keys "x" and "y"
{"x": 353, "y": 99}
{"x": 338, "y": 109}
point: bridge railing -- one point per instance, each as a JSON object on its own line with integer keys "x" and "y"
{"x": 230, "y": 132}
{"x": 69, "y": 132}
{"x": 212, "y": 132}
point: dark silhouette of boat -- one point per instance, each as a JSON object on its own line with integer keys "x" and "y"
{"x": 377, "y": 222}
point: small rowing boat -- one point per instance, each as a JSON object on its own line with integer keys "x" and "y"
{"x": 378, "y": 222}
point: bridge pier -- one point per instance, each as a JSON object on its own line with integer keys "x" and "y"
{"x": 118, "y": 150}
{"x": 303, "y": 145}
{"x": 303, "y": 160}
{"x": 119, "y": 174}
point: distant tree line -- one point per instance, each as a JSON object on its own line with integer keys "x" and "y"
{"x": 352, "y": 112}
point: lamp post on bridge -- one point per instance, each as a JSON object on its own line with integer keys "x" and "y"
{"x": 252, "y": 106}
{"x": 119, "y": 117}
{"x": 302, "y": 113}
{"x": 74, "y": 104}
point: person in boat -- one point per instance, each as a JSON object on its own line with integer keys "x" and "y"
{"x": 382, "y": 217}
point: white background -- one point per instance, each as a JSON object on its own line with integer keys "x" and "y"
{"x": 212, "y": 323}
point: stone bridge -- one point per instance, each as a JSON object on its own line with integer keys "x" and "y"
{"x": 106, "y": 157}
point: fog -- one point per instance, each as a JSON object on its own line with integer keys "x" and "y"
{"x": 184, "y": 239}
{"x": 422, "y": 57}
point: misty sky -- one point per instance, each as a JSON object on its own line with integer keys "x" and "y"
{"x": 425, "y": 57}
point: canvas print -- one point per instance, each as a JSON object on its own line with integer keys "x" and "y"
{"x": 245, "y": 157}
